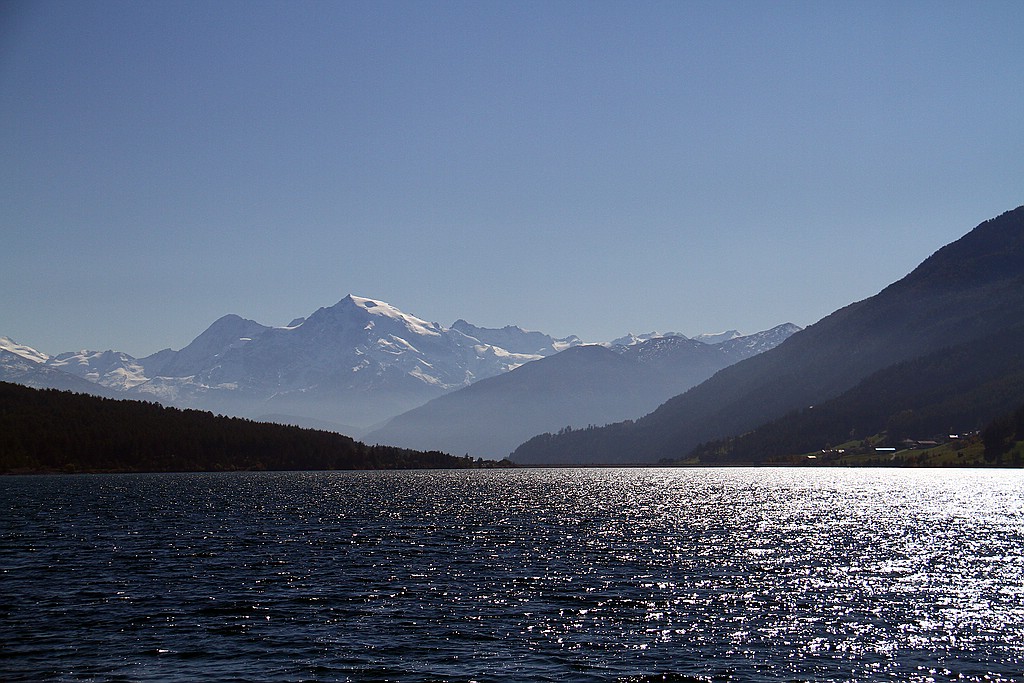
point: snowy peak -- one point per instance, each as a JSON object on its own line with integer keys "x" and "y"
{"x": 515, "y": 339}
{"x": 662, "y": 347}
{"x": 359, "y": 361}
{"x": 385, "y": 310}
{"x": 709, "y": 338}
{"x": 355, "y": 311}
{"x": 631, "y": 339}
{"x": 228, "y": 332}
{"x": 718, "y": 337}
{"x": 111, "y": 369}
{"x": 26, "y": 352}
{"x": 759, "y": 342}
{"x": 18, "y": 369}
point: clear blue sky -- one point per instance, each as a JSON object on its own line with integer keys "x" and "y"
{"x": 585, "y": 168}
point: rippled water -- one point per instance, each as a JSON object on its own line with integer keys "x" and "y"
{"x": 547, "y": 575}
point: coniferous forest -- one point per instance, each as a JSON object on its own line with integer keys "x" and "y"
{"x": 1004, "y": 436}
{"x": 45, "y": 430}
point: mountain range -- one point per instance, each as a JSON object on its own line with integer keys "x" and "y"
{"x": 345, "y": 368}
{"x": 941, "y": 346}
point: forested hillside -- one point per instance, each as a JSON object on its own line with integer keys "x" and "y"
{"x": 1004, "y": 438}
{"x": 49, "y": 431}
{"x": 954, "y": 390}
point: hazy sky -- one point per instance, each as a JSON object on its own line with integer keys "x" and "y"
{"x": 585, "y": 168}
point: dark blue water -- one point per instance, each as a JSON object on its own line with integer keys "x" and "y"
{"x": 537, "y": 575}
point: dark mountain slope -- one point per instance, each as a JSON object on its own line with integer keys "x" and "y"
{"x": 967, "y": 290}
{"x": 953, "y": 390}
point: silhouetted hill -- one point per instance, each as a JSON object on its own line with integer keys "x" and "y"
{"x": 968, "y": 290}
{"x": 45, "y": 430}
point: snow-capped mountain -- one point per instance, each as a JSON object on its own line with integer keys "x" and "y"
{"x": 24, "y": 368}
{"x": 111, "y": 369}
{"x": 226, "y": 333}
{"x": 745, "y": 346}
{"x": 26, "y": 352}
{"x": 516, "y": 339}
{"x": 659, "y": 348}
{"x": 356, "y": 363}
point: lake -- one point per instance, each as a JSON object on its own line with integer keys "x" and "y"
{"x": 514, "y": 575}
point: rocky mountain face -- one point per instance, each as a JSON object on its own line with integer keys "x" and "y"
{"x": 969, "y": 291}
{"x": 585, "y": 385}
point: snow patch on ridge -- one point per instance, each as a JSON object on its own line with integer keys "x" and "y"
{"x": 107, "y": 368}
{"x": 26, "y": 352}
{"x": 630, "y": 339}
{"x": 718, "y": 337}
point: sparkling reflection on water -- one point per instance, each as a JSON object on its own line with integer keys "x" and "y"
{"x": 556, "y": 575}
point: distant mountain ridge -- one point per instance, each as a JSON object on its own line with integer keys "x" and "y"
{"x": 718, "y": 337}
{"x": 516, "y": 339}
{"x": 588, "y": 384}
{"x": 346, "y": 367}
{"x": 357, "y": 362}
{"x": 19, "y": 369}
{"x": 970, "y": 289}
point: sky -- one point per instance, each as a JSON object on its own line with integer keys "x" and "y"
{"x": 589, "y": 168}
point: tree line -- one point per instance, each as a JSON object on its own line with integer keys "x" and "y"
{"x": 1004, "y": 436}
{"x": 46, "y": 430}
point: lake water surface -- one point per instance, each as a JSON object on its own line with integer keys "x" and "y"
{"x": 514, "y": 575}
